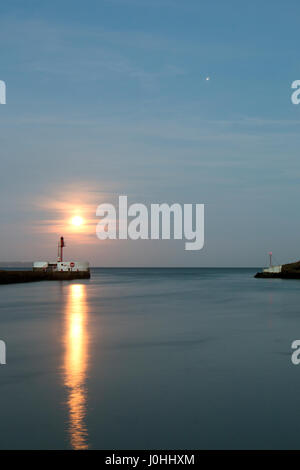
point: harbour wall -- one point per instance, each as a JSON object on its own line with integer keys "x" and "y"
{"x": 286, "y": 271}
{"x": 13, "y": 277}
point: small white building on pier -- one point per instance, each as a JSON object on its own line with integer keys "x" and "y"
{"x": 60, "y": 265}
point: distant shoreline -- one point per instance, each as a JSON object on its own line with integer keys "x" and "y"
{"x": 15, "y": 264}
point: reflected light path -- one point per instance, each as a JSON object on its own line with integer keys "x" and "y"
{"x": 76, "y": 364}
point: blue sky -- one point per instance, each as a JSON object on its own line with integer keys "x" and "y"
{"x": 109, "y": 97}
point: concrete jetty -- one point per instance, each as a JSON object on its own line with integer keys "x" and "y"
{"x": 285, "y": 271}
{"x": 59, "y": 270}
{"x": 13, "y": 277}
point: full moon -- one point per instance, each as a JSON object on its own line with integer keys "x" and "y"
{"x": 77, "y": 220}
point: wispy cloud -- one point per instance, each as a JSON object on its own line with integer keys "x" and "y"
{"x": 84, "y": 54}
{"x": 56, "y": 210}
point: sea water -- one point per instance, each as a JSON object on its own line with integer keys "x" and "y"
{"x": 151, "y": 359}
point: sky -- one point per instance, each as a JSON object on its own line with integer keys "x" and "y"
{"x": 110, "y": 97}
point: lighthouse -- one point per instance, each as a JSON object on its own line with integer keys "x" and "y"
{"x": 61, "y": 245}
{"x": 60, "y": 265}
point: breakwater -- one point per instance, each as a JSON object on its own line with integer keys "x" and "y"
{"x": 13, "y": 277}
{"x": 288, "y": 271}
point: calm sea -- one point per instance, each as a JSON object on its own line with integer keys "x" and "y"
{"x": 151, "y": 358}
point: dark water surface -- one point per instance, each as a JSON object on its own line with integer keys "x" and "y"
{"x": 151, "y": 358}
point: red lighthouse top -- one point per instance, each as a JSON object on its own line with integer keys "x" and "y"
{"x": 61, "y": 245}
